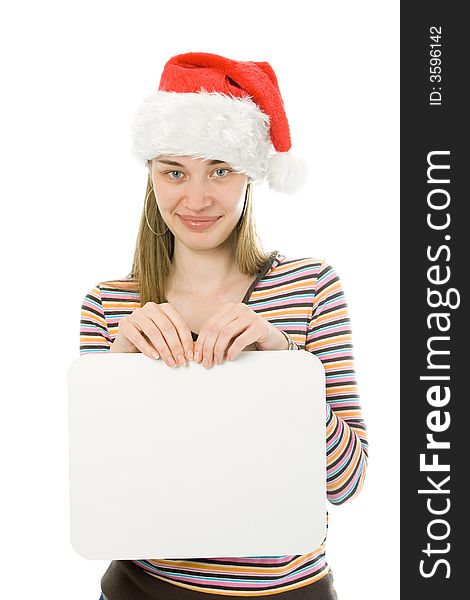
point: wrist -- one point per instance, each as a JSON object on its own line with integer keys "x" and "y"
{"x": 289, "y": 342}
{"x": 119, "y": 345}
{"x": 277, "y": 339}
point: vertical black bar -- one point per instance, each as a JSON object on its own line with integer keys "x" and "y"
{"x": 435, "y": 319}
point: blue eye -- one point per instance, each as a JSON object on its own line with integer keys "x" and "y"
{"x": 221, "y": 173}
{"x": 223, "y": 169}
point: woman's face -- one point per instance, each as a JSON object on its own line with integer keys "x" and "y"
{"x": 200, "y": 200}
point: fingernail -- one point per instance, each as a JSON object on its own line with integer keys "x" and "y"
{"x": 189, "y": 354}
{"x": 181, "y": 359}
{"x": 205, "y": 362}
{"x": 171, "y": 362}
{"x": 197, "y": 355}
{"x": 155, "y": 356}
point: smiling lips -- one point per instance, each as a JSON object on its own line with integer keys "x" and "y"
{"x": 198, "y": 223}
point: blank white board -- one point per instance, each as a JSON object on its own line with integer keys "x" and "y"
{"x": 193, "y": 462}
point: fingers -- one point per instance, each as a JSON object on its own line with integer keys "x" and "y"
{"x": 157, "y": 330}
{"x": 131, "y": 328}
{"x": 227, "y": 334}
{"x": 210, "y": 333}
{"x": 178, "y": 337}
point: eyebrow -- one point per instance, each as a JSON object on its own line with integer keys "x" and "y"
{"x": 177, "y": 164}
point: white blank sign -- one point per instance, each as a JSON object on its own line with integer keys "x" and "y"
{"x": 193, "y": 462}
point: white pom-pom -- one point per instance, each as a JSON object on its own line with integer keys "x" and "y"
{"x": 286, "y": 172}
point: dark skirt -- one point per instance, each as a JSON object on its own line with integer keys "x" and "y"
{"x": 118, "y": 586}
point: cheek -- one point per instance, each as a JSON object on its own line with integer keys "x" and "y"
{"x": 167, "y": 197}
{"x": 237, "y": 194}
{"x": 233, "y": 207}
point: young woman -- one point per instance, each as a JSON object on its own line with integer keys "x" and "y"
{"x": 202, "y": 288}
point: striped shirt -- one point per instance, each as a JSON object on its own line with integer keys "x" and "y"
{"x": 304, "y": 298}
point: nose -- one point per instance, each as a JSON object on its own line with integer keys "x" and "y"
{"x": 197, "y": 195}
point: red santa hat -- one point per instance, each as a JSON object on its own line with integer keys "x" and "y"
{"x": 212, "y": 107}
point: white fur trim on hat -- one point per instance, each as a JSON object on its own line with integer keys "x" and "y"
{"x": 208, "y": 125}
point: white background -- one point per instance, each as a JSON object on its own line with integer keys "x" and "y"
{"x": 73, "y": 74}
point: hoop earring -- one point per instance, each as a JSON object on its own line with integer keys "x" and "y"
{"x": 239, "y": 224}
{"x": 146, "y": 217}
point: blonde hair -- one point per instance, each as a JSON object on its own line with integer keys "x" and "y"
{"x": 152, "y": 264}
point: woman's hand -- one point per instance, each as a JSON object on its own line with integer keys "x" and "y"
{"x": 156, "y": 330}
{"x": 230, "y": 330}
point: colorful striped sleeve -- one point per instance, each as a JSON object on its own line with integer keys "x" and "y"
{"x": 94, "y": 334}
{"x": 329, "y": 337}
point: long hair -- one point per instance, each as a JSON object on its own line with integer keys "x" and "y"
{"x": 152, "y": 264}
